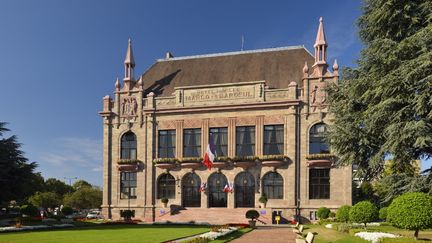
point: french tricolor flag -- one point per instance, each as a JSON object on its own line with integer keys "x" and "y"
{"x": 210, "y": 154}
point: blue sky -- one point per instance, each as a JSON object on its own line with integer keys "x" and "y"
{"x": 59, "y": 58}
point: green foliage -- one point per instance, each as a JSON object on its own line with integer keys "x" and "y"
{"x": 383, "y": 213}
{"x": 127, "y": 214}
{"x": 252, "y": 214}
{"x": 323, "y": 213}
{"x": 164, "y": 200}
{"x": 18, "y": 179}
{"x": 366, "y": 190}
{"x": 57, "y": 186}
{"x": 66, "y": 210}
{"x": 29, "y": 210}
{"x": 85, "y": 197}
{"x": 263, "y": 199}
{"x": 383, "y": 107}
{"x": 80, "y": 184}
{"x": 45, "y": 199}
{"x": 344, "y": 227}
{"x": 342, "y": 214}
{"x": 363, "y": 212}
{"x": 411, "y": 211}
{"x": 332, "y": 214}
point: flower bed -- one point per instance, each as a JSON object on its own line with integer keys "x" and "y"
{"x": 34, "y": 227}
{"x": 128, "y": 161}
{"x": 212, "y": 235}
{"x": 374, "y": 237}
{"x": 321, "y": 157}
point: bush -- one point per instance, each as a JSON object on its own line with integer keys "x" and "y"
{"x": 252, "y": 214}
{"x": 411, "y": 211}
{"x": 323, "y": 213}
{"x": 66, "y": 210}
{"x": 383, "y": 213}
{"x": 263, "y": 199}
{"x": 29, "y": 210}
{"x": 332, "y": 214}
{"x": 342, "y": 214}
{"x": 127, "y": 214}
{"x": 363, "y": 212}
{"x": 344, "y": 228}
{"x": 164, "y": 200}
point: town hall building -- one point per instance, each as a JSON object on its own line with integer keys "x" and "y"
{"x": 265, "y": 114}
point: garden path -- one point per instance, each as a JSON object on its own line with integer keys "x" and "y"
{"x": 268, "y": 234}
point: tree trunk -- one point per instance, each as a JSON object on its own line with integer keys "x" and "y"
{"x": 416, "y": 234}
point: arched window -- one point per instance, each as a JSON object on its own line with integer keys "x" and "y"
{"x": 317, "y": 140}
{"x": 273, "y": 185}
{"x": 128, "y": 146}
{"x": 191, "y": 195}
{"x": 166, "y": 186}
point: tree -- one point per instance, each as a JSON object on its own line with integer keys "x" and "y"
{"x": 85, "y": 197}
{"x": 80, "y": 184}
{"x": 323, "y": 213}
{"x": 383, "y": 213}
{"x": 383, "y": 106}
{"x": 412, "y": 211}
{"x": 66, "y": 210}
{"x": 29, "y": 210}
{"x": 342, "y": 214}
{"x": 16, "y": 175}
{"x": 363, "y": 212}
{"x": 45, "y": 199}
{"x": 57, "y": 186}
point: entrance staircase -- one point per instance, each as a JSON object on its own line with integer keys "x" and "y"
{"x": 214, "y": 216}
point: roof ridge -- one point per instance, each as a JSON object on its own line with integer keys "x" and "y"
{"x": 284, "y": 48}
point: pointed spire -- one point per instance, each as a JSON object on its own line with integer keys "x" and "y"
{"x": 129, "y": 63}
{"x": 320, "y": 65}
{"x": 129, "y": 59}
{"x": 320, "y": 38}
{"x": 117, "y": 84}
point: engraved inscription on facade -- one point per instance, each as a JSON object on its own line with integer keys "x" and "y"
{"x": 219, "y": 94}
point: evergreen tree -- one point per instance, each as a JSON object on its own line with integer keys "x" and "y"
{"x": 16, "y": 174}
{"x": 384, "y": 106}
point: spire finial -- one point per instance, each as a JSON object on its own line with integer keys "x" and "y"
{"x": 320, "y": 38}
{"x": 129, "y": 62}
{"x": 117, "y": 84}
{"x": 305, "y": 68}
{"x": 320, "y": 65}
{"x": 335, "y": 66}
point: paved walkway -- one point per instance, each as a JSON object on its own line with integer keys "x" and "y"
{"x": 268, "y": 234}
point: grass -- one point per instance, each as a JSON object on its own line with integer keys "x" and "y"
{"x": 232, "y": 236}
{"x": 332, "y": 235}
{"x": 108, "y": 233}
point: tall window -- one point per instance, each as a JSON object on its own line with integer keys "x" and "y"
{"x": 219, "y": 138}
{"x": 245, "y": 141}
{"x": 319, "y": 183}
{"x": 167, "y": 140}
{"x": 317, "y": 140}
{"x": 128, "y": 146}
{"x": 273, "y": 139}
{"x": 128, "y": 184}
{"x": 273, "y": 185}
{"x": 192, "y": 142}
{"x": 166, "y": 186}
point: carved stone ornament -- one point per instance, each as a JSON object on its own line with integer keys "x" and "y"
{"x": 129, "y": 108}
{"x": 318, "y": 97}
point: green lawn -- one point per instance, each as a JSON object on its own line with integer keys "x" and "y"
{"x": 333, "y": 236}
{"x": 105, "y": 234}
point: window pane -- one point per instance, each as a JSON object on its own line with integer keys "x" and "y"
{"x": 273, "y": 139}
{"x": 128, "y": 146}
{"x": 166, "y": 148}
{"x": 319, "y": 183}
{"x": 128, "y": 184}
{"x": 192, "y": 142}
{"x": 219, "y": 138}
{"x": 245, "y": 141}
{"x": 317, "y": 139}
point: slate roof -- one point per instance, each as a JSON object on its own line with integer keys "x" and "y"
{"x": 277, "y": 66}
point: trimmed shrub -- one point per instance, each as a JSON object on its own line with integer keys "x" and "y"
{"x": 66, "y": 210}
{"x": 252, "y": 214}
{"x": 332, "y": 214}
{"x": 411, "y": 211}
{"x": 263, "y": 199}
{"x": 323, "y": 213}
{"x": 342, "y": 214}
{"x": 29, "y": 210}
{"x": 344, "y": 228}
{"x": 383, "y": 213}
{"x": 164, "y": 200}
{"x": 363, "y": 212}
{"x": 127, "y": 214}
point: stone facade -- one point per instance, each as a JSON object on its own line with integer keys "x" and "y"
{"x": 297, "y": 105}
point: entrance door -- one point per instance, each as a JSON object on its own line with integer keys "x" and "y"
{"x": 244, "y": 190}
{"x": 191, "y": 196}
{"x": 217, "y": 196}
